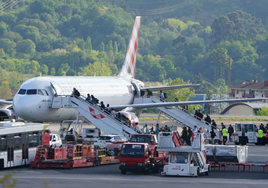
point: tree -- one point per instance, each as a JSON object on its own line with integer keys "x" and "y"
{"x": 102, "y": 47}
{"x": 61, "y": 72}
{"x": 2, "y": 53}
{"x": 5, "y": 92}
{"x": 26, "y": 46}
{"x": 262, "y": 112}
{"x": 52, "y": 71}
{"x": 98, "y": 69}
{"x": 44, "y": 69}
{"x": 182, "y": 94}
{"x": 88, "y": 44}
{"x": 7, "y": 44}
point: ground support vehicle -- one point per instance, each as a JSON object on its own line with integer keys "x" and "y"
{"x": 18, "y": 142}
{"x": 72, "y": 155}
{"x": 245, "y": 133}
{"x": 184, "y": 160}
{"x": 137, "y": 157}
{"x": 71, "y": 130}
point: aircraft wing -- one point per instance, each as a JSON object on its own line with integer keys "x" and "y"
{"x": 169, "y": 87}
{"x": 5, "y": 102}
{"x": 163, "y": 104}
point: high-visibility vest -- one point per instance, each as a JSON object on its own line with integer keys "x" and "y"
{"x": 224, "y": 133}
{"x": 259, "y": 135}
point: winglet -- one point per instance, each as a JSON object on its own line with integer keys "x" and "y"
{"x": 129, "y": 66}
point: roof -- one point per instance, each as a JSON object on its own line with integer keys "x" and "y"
{"x": 250, "y": 85}
{"x": 252, "y": 105}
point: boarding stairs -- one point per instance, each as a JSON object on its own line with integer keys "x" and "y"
{"x": 94, "y": 114}
{"x": 182, "y": 117}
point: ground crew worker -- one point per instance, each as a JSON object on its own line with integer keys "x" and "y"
{"x": 259, "y": 137}
{"x": 224, "y": 135}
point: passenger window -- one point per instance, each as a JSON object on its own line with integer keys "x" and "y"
{"x": 40, "y": 92}
{"x": 3, "y": 144}
{"x": 117, "y": 138}
{"x": 45, "y": 92}
{"x": 31, "y": 92}
{"x": 22, "y": 91}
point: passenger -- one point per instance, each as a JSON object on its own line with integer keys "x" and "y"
{"x": 102, "y": 105}
{"x": 146, "y": 129}
{"x": 92, "y": 99}
{"x": 230, "y": 132}
{"x": 157, "y": 129}
{"x": 152, "y": 131}
{"x": 255, "y": 128}
{"x": 200, "y": 130}
{"x": 162, "y": 96}
{"x": 212, "y": 135}
{"x": 189, "y": 136}
{"x": 214, "y": 123}
{"x": 128, "y": 122}
{"x": 208, "y": 119}
{"x": 107, "y": 109}
{"x": 195, "y": 129}
{"x": 184, "y": 135}
{"x": 113, "y": 113}
{"x": 88, "y": 98}
{"x": 176, "y": 100}
{"x": 149, "y": 93}
{"x": 166, "y": 128}
{"x": 75, "y": 93}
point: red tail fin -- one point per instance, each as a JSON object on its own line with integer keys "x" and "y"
{"x": 129, "y": 66}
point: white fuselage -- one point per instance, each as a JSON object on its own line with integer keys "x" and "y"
{"x": 33, "y": 100}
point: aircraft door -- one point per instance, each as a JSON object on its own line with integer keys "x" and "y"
{"x": 10, "y": 148}
{"x": 25, "y": 146}
{"x": 136, "y": 91}
{"x": 55, "y": 89}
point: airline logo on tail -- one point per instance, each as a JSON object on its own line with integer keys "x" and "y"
{"x": 128, "y": 68}
{"x": 96, "y": 116}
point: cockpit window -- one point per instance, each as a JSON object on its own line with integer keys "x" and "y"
{"x": 22, "y": 91}
{"x": 31, "y": 92}
{"x": 40, "y": 92}
{"x": 45, "y": 92}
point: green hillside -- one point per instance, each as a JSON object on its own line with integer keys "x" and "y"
{"x": 198, "y": 41}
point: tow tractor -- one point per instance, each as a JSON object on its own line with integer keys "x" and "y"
{"x": 71, "y": 155}
{"x": 184, "y": 160}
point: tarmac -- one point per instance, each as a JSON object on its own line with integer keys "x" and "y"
{"x": 106, "y": 176}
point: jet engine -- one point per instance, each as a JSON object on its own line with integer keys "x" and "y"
{"x": 131, "y": 116}
{"x": 7, "y": 113}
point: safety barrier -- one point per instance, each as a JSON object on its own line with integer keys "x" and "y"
{"x": 218, "y": 166}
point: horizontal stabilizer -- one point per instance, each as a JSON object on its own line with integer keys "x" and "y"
{"x": 169, "y": 87}
{"x": 5, "y": 102}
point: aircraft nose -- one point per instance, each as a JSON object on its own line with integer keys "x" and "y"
{"x": 24, "y": 106}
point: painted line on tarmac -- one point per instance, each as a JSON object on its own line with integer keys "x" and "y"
{"x": 152, "y": 179}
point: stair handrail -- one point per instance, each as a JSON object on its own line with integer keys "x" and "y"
{"x": 98, "y": 108}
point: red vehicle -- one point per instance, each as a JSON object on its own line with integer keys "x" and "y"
{"x": 140, "y": 155}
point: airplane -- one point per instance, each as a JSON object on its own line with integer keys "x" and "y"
{"x": 33, "y": 99}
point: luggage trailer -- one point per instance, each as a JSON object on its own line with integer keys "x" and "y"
{"x": 72, "y": 155}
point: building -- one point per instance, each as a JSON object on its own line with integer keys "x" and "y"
{"x": 249, "y": 89}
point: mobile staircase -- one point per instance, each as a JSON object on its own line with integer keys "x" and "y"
{"x": 182, "y": 117}
{"x": 94, "y": 114}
